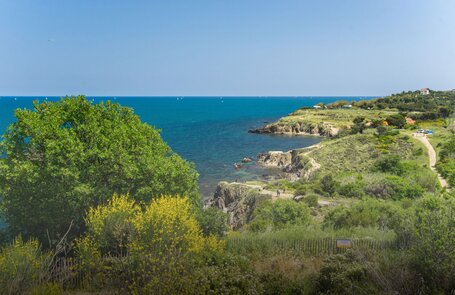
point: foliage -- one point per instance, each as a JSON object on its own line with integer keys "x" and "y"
{"x": 328, "y": 184}
{"x": 358, "y": 126}
{"x": 366, "y": 213}
{"x": 311, "y": 200}
{"x": 111, "y": 227}
{"x": 279, "y": 214}
{"x": 390, "y": 164}
{"x": 63, "y": 157}
{"x": 393, "y": 187}
{"x": 213, "y": 222}
{"x": 155, "y": 247}
{"x": 343, "y": 274}
{"x": 433, "y": 250}
{"x": 22, "y": 266}
{"x": 48, "y": 289}
{"x": 435, "y": 105}
{"x": 446, "y": 164}
{"x": 396, "y": 120}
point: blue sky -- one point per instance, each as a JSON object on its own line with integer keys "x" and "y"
{"x": 244, "y": 47}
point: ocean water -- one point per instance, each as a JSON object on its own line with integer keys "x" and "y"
{"x": 212, "y": 132}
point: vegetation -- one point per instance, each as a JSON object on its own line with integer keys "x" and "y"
{"x": 446, "y": 164}
{"x": 125, "y": 213}
{"x": 63, "y": 157}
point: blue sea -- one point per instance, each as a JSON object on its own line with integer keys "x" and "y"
{"x": 212, "y": 132}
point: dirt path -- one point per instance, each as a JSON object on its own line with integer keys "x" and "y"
{"x": 431, "y": 156}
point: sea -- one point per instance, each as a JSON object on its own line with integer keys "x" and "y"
{"x": 211, "y": 132}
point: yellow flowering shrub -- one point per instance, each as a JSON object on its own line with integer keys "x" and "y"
{"x": 163, "y": 242}
{"x": 168, "y": 224}
{"x": 110, "y": 227}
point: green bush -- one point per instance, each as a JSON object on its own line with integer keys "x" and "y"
{"x": 397, "y": 120}
{"x": 279, "y": 214}
{"x": 366, "y": 213}
{"x": 328, "y": 185}
{"x": 393, "y": 187}
{"x": 311, "y": 200}
{"x": 22, "y": 266}
{"x": 433, "y": 244}
{"x": 213, "y": 222}
{"x": 344, "y": 274}
{"x": 389, "y": 164}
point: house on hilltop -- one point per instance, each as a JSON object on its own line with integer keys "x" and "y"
{"x": 425, "y": 91}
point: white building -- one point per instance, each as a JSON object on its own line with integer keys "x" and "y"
{"x": 425, "y": 91}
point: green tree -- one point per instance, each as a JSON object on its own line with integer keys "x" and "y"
{"x": 359, "y": 125}
{"x": 62, "y": 157}
{"x": 328, "y": 184}
{"x": 397, "y": 120}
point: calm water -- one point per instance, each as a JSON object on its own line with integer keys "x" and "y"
{"x": 212, "y": 132}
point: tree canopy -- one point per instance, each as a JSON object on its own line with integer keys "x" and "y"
{"x": 60, "y": 158}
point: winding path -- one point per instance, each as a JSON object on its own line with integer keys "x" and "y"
{"x": 431, "y": 155}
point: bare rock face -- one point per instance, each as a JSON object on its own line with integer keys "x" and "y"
{"x": 294, "y": 163}
{"x": 275, "y": 159}
{"x": 299, "y": 128}
{"x": 238, "y": 200}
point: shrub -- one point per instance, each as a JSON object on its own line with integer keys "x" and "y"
{"x": 213, "y": 222}
{"x": 279, "y": 214}
{"x": 433, "y": 244}
{"x": 22, "y": 266}
{"x": 397, "y": 120}
{"x": 366, "y": 213}
{"x": 389, "y": 164}
{"x": 344, "y": 274}
{"x": 163, "y": 243}
{"x": 328, "y": 185}
{"x": 393, "y": 187}
{"x": 311, "y": 200}
{"x": 111, "y": 226}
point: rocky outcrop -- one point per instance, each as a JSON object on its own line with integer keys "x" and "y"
{"x": 296, "y": 164}
{"x": 299, "y": 128}
{"x": 238, "y": 200}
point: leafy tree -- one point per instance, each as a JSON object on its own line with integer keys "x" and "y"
{"x": 328, "y": 184}
{"x": 63, "y": 157}
{"x": 397, "y": 120}
{"x": 359, "y": 125}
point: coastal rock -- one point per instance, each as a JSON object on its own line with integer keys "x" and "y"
{"x": 298, "y": 128}
{"x": 238, "y": 200}
{"x": 247, "y": 160}
{"x": 296, "y": 164}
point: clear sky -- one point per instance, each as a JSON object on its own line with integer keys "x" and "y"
{"x": 231, "y": 47}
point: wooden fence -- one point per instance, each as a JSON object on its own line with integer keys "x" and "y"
{"x": 66, "y": 271}
{"x": 309, "y": 247}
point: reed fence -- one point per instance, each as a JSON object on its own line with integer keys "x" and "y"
{"x": 309, "y": 247}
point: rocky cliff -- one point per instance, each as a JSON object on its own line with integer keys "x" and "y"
{"x": 296, "y": 164}
{"x": 298, "y": 128}
{"x": 238, "y": 200}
